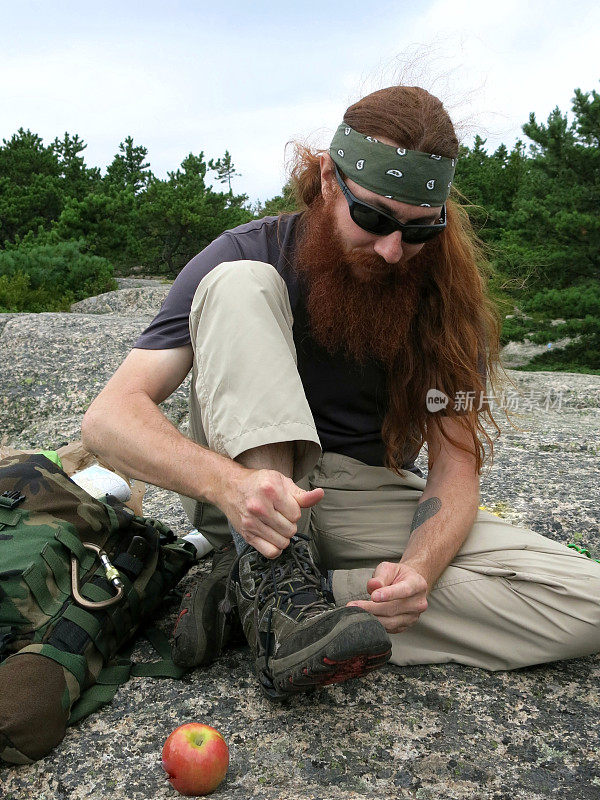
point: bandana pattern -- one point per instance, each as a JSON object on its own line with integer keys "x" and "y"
{"x": 409, "y": 176}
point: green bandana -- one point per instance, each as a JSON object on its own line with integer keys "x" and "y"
{"x": 420, "y": 179}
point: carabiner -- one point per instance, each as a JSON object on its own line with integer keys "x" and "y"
{"x": 112, "y": 575}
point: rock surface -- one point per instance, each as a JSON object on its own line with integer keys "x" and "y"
{"x": 132, "y": 301}
{"x": 519, "y": 354}
{"x": 416, "y": 732}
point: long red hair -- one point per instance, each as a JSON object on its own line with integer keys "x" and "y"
{"x": 457, "y": 325}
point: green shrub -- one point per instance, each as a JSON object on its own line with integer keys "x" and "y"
{"x": 49, "y": 277}
{"x": 517, "y": 329}
{"x": 582, "y": 356}
{"x": 575, "y": 301}
{"x": 575, "y": 327}
{"x": 16, "y": 295}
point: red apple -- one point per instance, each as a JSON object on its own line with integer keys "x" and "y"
{"x": 196, "y": 758}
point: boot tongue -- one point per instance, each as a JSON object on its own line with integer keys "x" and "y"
{"x": 296, "y": 605}
{"x": 304, "y": 592}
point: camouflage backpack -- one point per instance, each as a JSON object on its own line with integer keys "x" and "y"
{"x": 77, "y": 578}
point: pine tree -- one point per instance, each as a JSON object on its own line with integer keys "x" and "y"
{"x": 225, "y": 169}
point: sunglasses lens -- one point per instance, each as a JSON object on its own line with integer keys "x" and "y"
{"x": 370, "y": 220}
{"x": 421, "y": 236}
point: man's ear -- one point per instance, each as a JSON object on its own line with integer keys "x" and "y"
{"x": 328, "y": 181}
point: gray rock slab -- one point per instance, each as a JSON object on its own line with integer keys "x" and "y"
{"x": 4, "y": 318}
{"x": 53, "y": 367}
{"x": 518, "y": 354}
{"x": 134, "y": 283}
{"x": 441, "y": 731}
{"x": 131, "y": 301}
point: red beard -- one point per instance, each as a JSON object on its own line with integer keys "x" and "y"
{"x": 363, "y": 318}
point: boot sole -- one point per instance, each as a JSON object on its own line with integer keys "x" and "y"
{"x": 336, "y": 661}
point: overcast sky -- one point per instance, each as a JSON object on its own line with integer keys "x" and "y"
{"x": 183, "y": 76}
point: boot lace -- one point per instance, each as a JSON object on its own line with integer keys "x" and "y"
{"x": 291, "y": 580}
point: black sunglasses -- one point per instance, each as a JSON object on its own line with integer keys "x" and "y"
{"x": 373, "y": 220}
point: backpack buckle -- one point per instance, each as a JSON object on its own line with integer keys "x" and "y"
{"x": 11, "y": 500}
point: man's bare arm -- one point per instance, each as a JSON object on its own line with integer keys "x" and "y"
{"x": 126, "y": 427}
{"x": 442, "y": 521}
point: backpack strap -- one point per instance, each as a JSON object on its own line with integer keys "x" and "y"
{"x": 9, "y": 517}
{"x": 165, "y": 668}
{"x": 103, "y": 691}
{"x": 75, "y": 545}
{"x": 36, "y": 581}
{"x": 119, "y": 671}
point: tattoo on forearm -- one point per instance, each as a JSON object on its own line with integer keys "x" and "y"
{"x": 425, "y": 511}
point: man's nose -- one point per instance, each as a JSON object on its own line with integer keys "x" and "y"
{"x": 389, "y": 247}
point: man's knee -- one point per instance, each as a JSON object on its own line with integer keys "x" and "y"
{"x": 574, "y": 615}
{"x": 241, "y": 277}
{"x": 584, "y": 635}
{"x": 252, "y": 290}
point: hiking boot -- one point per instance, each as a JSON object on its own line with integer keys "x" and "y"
{"x": 202, "y": 629}
{"x": 299, "y": 638}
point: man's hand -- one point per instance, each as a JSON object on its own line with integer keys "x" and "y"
{"x": 264, "y": 506}
{"x": 398, "y": 596}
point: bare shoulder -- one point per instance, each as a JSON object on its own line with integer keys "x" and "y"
{"x": 156, "y": 373}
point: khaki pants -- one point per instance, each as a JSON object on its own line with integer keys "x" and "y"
{"x": 510, "y": 598}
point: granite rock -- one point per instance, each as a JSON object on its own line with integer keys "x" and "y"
{"x": 519, "y": 354}
{"x": 441, "y": 731}
{"x": 131, "y": 301}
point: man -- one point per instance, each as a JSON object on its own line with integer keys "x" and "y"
{"x": 316, "y": 342}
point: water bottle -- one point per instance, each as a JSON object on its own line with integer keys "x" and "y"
{"x": 99, "y": 482}
{"x": 200, "y": 542}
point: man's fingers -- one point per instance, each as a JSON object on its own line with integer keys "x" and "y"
{"x": 388, "y": 614}
{"x": 309, "y": 499}
{"x": 264, "y": 548}
{"x": 257, "y": 512}
{"x": 398, "y": 625}
{"x": 272, "y": 536}
{"x": 258, "y": 532}
{"x": 280, "y": 524}
{"x": 288, "y": 507}
{"x": 391, "y": 609}
{"x": 374, "y": 583}
{"x": 392, "y": 582}
{"x": 397, "y": 591}
{"x": 385, "y": 572}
